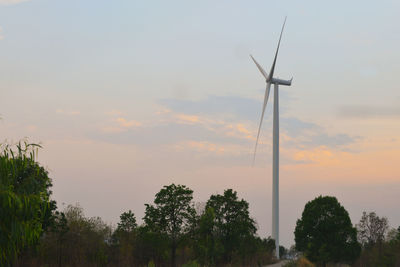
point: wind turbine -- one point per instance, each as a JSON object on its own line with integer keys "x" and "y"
{"x": 269, "y": 78}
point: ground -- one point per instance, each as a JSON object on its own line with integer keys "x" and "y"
{"x": 279, "y": 264}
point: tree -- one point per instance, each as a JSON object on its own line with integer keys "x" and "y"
{"x": 25, "y": 206}
{"x": 127, "y": 222}
{"x": 59, "y": 229}
{"x": 233, "y": 225}
{"x": 125, "y": 236}
{"x": 372, "y": 229}
{"x": 151, "y": 246}
{"x": 171, "y": 214}
{"x": 208, "y": 245}
{"x": 73, "y": 240}
{"x": 325, "y": 233}
{"x": 87, "y": 239}
{"x": 398, "y": 234}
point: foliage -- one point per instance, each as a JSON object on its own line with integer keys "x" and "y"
{"x": 397, "y": 236}
{"x": 87, "y": 238}
{"x": 151, "y": 247}
{"x": 378, "y": 251}
{"x": 372, "y": 229}
{"x": 74, "y": 241}
{"x": 192, "y": 264}
{"x": 226, "y": 232}
{"x": 208, "y": 246}
{"x": 171, "y": 214}
{"x": 393, "y": 235}
{"x": 325, "y": 233}
{"x": 124, "y": 238}
{"x": 127, "y": 222}
{"x": 385, "y": 254}
{"x": 221, "y": 234}
{"x": 25, "y": 205}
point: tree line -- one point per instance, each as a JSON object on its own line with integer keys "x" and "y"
{"x": 174, "y": 232}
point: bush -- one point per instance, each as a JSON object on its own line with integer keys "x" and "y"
{"x": 301, "y": 262}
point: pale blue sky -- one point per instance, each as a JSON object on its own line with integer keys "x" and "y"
{"x": 131, "y": 95}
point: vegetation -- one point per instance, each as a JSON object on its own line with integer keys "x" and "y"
{"x": 33, "y": 233}
{"x": 378, "y": 249}
{"x": 325, "y": 233}
{"x": 75, "y": 240}
{"x": 173, "y": 215}
{"x": 25, "y": 205}
{"x": 300, "y": 262}
{"x": 173, "y": 233}
{"x": 372, "y": 229}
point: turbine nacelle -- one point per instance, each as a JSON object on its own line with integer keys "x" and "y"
{"x": 268, "y": 78}
{"x": 280, "y": 81}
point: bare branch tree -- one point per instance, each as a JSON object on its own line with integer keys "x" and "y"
{"x": 372, "y": 229}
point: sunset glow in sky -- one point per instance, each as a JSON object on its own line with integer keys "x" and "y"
{"x": 127, "y": 96}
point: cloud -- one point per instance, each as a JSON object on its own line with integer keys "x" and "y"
{"x": 112, "y": 130}
{"x": 242, "y": 108}
{"x": 114, "y": 112}
{"x": 11, "y": 2}
{"x": 321, "y": 155}
{"x": 200, "y": 146}
{"x": 1, "y": 33}
{"x": 239, "y": 119}
{"x": 69, "y": 113}
{"x": 191, "y": 126}
{"x": 210, "y": 148}
{"x": 367, "y": 112}
{"x": 187, "y": 119}
{"x": 122, "y": 122}
{"x": 172, "y": 127}
{"x": 293, "y": 126}
{"x": 119, "y": 125}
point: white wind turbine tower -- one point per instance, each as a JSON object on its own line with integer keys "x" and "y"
{"x": 269, "y": 78}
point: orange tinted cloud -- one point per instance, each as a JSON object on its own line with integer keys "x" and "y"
{"x": 320, "y": 155}
{"x": 189, "y": 119}
{"x": 367, "y": 162}
{"x": 127, "y": 124}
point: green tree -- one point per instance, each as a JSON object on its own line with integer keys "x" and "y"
{"x": 25, "y": 206}
{"x": 398, "y": 234}
{"x": 233, "y": 225}
{"x": 325, "y": 233}
{"x": 171, "y": 214}
{"x": 59, "y": 230}
{"x": 125, "y": 236}
{"x": 127, "y": 222}
{"x": 207, "y": 246}
{"x": 151, "y": 247}
{"x": 73, "y": 240}
{"x": 85, "y": 243}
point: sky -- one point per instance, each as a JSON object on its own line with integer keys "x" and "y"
{"x": 128, "y": 96}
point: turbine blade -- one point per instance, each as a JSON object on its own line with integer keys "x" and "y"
{"x": 271, "y": 73}
{"x": 260, "y": 68}
{"x": 267, "y": 89}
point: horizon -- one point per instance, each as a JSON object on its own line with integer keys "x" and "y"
{"x": 128, "y": 97}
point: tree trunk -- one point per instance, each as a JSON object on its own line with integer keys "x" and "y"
{"x": 59, "y": 252}
{"x": 173, "y": 253}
